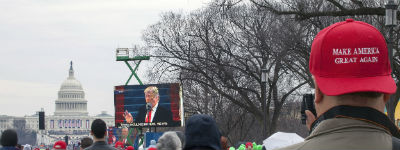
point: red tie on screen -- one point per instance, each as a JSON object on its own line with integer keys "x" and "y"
{"x": 148, "y": 118}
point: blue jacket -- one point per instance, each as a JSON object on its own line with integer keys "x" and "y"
{"x": 9, "y": 148}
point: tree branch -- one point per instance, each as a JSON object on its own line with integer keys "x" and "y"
{"x": 337, "y": 4}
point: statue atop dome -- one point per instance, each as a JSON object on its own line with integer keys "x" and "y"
{"x": 71, "y": 71}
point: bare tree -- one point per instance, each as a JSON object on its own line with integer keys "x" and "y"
{"x": 222, "y": 53}
{"x": 306, "y": 9}
{"x": 25, "y": 136}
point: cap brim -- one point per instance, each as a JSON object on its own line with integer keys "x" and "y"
{"x": 339, "y": 86}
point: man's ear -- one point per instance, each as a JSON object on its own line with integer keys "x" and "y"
{"x": 318, "y": 94}
{"x": 91, "y": 133}
{"x": 386, "y": 97}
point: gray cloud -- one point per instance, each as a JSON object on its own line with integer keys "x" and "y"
{"x": 39, "y": 38}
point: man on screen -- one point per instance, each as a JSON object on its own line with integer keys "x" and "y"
{"x": 156, "y": 113}
{"x": 126, "y": 138}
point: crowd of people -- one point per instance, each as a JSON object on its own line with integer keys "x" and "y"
{"x": 351, "y": 72}
{"x": 201, "y": 133}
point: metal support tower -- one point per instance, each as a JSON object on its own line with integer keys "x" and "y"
{"x": 125, "y": 55}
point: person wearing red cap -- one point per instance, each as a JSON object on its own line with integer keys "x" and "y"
{"x": 224, "y": 143}
{"x": 352, "y": 77}
{"x": 249, "y": 146}
{"x": 60, "y": 145}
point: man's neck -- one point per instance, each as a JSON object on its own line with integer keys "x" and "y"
{"x": 331, "y": 101}
{"x": 155, "y": 106}
{"x": 99, "y": 139}
{"x": 361, "y": 113}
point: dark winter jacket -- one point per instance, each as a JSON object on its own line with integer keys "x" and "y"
{"x": 100, "y": 145}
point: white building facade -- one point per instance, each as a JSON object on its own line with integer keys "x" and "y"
{"x": 6, "y": 122}
{"x": 69, "y": 119}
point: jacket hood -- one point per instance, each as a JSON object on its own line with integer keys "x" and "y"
{"x": 202, "y": 131}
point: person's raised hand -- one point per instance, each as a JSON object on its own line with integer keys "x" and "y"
{"x": 114, "y": 139}
{"x": 128, "y": 117}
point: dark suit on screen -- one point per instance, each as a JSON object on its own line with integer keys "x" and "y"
{"x": 162, "y": 115}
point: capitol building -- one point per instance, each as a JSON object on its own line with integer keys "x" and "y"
{"x": 69, "y": 119}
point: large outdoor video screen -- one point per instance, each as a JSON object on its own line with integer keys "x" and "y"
{"x": 130, "y": 137}
{"x": 148, "y": 105}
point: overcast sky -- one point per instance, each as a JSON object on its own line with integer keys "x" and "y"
{"x": 38, "y": 38}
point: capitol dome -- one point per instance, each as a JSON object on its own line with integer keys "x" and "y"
{"x": 71, "y": 84}
{"x": 71, "y": 97}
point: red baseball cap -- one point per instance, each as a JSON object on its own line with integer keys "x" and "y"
{"x": 351, "y": 56}
{"x": 151, "y": 148}
{"x": 249, "y": 144}
{"x": 129, "y": 148}
{"x": 119, "y": 144}
{"x": 60, "y": 145}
